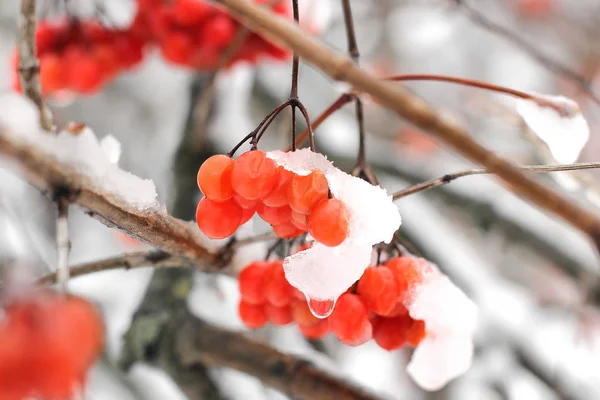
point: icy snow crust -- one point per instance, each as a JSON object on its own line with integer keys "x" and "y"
{"x": 566, "y": 135}
{"x": 323, "y": 272}
{"x": 97, "y": 160}
{"x": 450, "y": 319}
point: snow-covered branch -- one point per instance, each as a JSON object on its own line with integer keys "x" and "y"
{"x": 415, "y": 110}
{"x": 153, "y": 226}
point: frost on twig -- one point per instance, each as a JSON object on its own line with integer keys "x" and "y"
{"x": 323, "y": 272}
{"x": 559, "y": 123}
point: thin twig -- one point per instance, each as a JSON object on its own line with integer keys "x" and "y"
{"x": 415, "y": 110}
{"x": 295, "y": 70}
{"x": 480, "y": 19}
{"x": 29, "y": 66}
{"x": 62, "y": 242}
{"x": 335, "y": 106}
{"x": 445, "y": 179}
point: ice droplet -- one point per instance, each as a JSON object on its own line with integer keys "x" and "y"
{"x": 320, "y": 308}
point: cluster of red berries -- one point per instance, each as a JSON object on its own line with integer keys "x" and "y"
{"x": 194, "y": 33}
{"x": 371, "y": 309}
{"x": 82, "y": 57}
{"x": 47, "y": 343}
{"x": 293, "y": 204}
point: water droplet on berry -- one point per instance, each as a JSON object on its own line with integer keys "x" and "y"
{"x": 320, "y": 308}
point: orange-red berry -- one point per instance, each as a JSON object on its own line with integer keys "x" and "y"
{"x": 349, "y": 320}
{"x": 390, "y": 333}
{"x": 328, "y": 222}
{"x": 252, "y": 280}
{"x": 286, "y": 230}
{"x": 252, "y": 315}
{"x": 278, "y": 290}
{"x": 218, "y": 220}
{"x": 315, "y": 331}
{"x": 377, "y": 286}
{"x": 278, "y": 315}
{"x": 254, "y": 175}
{"x": 279, "y": 196}
{"x": 416, "y": 332}
{"x": 214, "y": 178}
{"x": 274, "y": 215}
{"x": 406, "y": 273}
{"x": 305, "y": 192}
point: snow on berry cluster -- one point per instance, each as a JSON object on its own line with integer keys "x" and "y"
{"x": 403, "y": 302}
{"x": 194, "y": 33}
{"x": 293, "y": 204}
{"x": 47, "y": 343}
{"x": 81, "y": 57}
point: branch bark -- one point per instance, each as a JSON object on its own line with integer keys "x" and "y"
{"x": 413, "y": 109}
{"x": 155, "y": 227}
{"x": 445, "y": 179}
{"x": 196, "y": 341}
{"x": 29, "y": 66}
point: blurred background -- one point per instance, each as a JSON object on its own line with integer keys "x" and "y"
{"x": 533, "y": 277}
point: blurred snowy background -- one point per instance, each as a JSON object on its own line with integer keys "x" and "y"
{"x": 533, "y": 277}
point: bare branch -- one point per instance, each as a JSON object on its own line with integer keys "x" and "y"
{"x": 29, "y": 66}
{"x": 555, "y": 66}
{"x": 443, "y": 180}
{"x": 153, "y": 258}
{"x": 196, "y": 342}
{"x": 62, "y": 242}
{"x": 155, "y": 227}
{"x": 415, "y": 110}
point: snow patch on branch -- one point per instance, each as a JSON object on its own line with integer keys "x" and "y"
{"x": 81, "y": 150}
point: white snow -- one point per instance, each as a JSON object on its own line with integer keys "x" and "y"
{"x": 323, "y": 272}
{"x": 450, "y": 319}
{"x": 82, "y": 151}
{"x": 565, "y": 133}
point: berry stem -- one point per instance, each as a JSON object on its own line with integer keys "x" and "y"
{"x": 295, "y": 68}
{"x": 361, "y": 168}
{"x": 445, "y": 179}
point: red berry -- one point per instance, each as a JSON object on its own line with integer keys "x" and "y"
{"x": 191, "y": 12}
{"x": 245, "y": 203}
{"x": 84, "y": 72}
{"x": 377, "y": 286}
{"x": 252, "y": 315}
{"x": 221, "y": 31}
{"x": 52, "y": 73}
{"x": 177, "y": 48}
{"x": 305, "y": 192}
{"x": 390, "y": 333}
{"x": 214, "y": 178}
{"x": 406, "y": 273}
{"x": 278, "y": 290}
{"x": 46, "y": 36}
{"x": 300, "y": 221}
{"x": 108, "y": 57}
{"x": 279, "y": 196}
{"x": 349, "y": 320}
{"x": 218, "y": 220}
{"x": 246, "y": 215}
{"x": 274, "y": 215}
{"x": 328, "y": 222}
{"x": 252, "y": 280}
{"x": 416, "y": 332}
{"x": 278, "y": 315}
{"x": 286, "y": 230}
{"x": 315, "y": 331}
{"x": 301, "y": 313}
{"x": 254, "y": 175}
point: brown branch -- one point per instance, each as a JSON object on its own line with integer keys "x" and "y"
{"x": 153, "y": 258}
{"x": 196, "y": 341}
{"x": 553, "y": 65}
{"x": 155, "y": 227}
{"x": 29, "y": 66}
{"x": 443, "y": 180}
{"x": 397, "y": 98}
